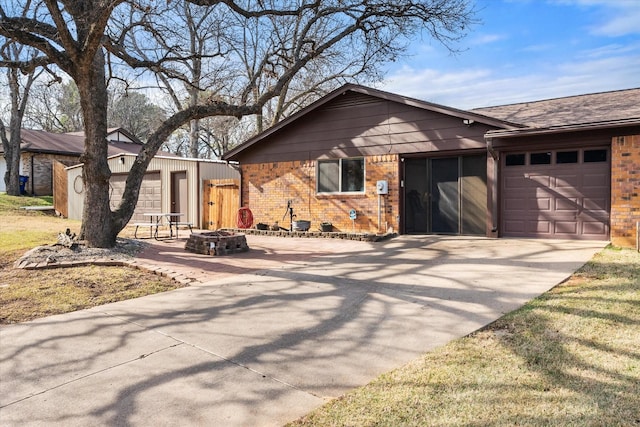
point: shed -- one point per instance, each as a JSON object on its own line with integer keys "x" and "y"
{"x": 171, "y": 184}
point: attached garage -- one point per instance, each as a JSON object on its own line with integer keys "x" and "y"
{"x": 556, "y": 194}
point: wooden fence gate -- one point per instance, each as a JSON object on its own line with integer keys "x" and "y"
{"x": 60, "y": 196}
{"x": 221, "y": 203}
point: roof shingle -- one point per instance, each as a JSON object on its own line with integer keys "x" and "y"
{"x": 572, "y": 110}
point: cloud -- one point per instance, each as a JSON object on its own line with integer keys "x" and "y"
{"x": 542, "y": 69}
{"x": 618, "y": 17}
{"x": 432, "y": 85}
{"x": 487, "y": 39}
{"x": 627, "y": 23}
{"x": 478, "y": 87}
{"x": 612, "y": 50}
{"x": 538, "y": 48}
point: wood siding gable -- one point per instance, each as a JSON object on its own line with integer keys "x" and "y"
{"x": 357, "y": 124}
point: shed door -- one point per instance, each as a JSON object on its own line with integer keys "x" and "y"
{"x": 179, "y": 192}
{"x": 149, "y": 199}
{"x": 556, "y": 194}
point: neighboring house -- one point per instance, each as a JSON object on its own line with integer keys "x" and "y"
{"x": 171, "y": 184}
{"x": 540, "y": 169}
{"x": 206, "y": 192}
{"x": 39, "y": 150}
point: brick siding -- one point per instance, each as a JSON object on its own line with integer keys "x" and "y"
{"x": 625, "y": 189}
{"x": 41, "y": 167}
{"x": 267, "y": 187}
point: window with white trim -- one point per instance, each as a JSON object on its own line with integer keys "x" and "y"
{"x": 341, "y": 176}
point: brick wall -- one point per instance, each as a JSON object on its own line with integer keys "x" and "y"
{"x": 266, "y": 187}
{"x": 625, "y": 189}
{"x": 39, "y": 169}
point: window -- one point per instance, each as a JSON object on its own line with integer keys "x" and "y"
{"x": 566, "y": 157}
{"x": 540, "y": 158}
{"x": 515, "y": 159}
{"x": 592, "y": 156}
{"x": 341, "y": 176}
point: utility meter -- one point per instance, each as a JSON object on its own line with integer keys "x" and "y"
{"x": 382, "y": 187}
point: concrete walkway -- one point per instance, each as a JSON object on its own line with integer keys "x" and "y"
{"x": 263, "y": 337}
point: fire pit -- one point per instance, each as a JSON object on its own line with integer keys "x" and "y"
{"x": 216, "y": 243}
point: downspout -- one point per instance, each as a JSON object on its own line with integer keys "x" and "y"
{"x": 32, "y": 177}
{"x": 494, "y": 185}
{"x": 198, "y": 198}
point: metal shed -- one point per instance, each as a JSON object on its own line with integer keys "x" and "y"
{"x": 171, "y": 184}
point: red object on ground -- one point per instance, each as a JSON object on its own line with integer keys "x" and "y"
{"x": 245, "y": 218}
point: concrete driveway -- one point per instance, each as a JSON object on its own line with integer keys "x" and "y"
{"x": 263, "y": 337}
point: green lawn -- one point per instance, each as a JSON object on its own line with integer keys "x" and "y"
{"x": 568, "y": 358}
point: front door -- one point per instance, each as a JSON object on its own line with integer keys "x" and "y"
{"x": 445, "y": 195}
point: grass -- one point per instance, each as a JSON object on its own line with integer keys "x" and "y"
{"x": 21, "y": 230}
{"x": 27, "y": 295}
{"x": 570, "y": 357}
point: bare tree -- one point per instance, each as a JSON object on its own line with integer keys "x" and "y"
{"x": 19, "y": 87}
{"x": 43, "y": 108}
{"x": 264, "y": 58}
{"x": 187, "y": 39}
{"x": 19, "y": 94}
{"x": 219, "y": 134}
{"x": 55, "y": 107}
{"x": 75, "y": 35}
{"x": 134, "y": 112}
{"x": 70, "y": 116}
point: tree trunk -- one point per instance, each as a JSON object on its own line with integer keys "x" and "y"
{"x": 12, "y": 145}
{"x": 12, "y": 157}
{"x": 194, "y": 138}
{"x": 98, "y": 226}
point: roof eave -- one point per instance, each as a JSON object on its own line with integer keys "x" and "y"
{"x": 443, "y": 109}
{"x": 131, "y": 136}
{"x": 318, "y": 103}
{"x": 465, "y": 115}
{"x": 514, "y": 133}
{"x": 56, "y": 152}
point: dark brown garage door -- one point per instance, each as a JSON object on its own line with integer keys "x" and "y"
{"x": 556, "y": 194}
{"x": 149, "y": 199}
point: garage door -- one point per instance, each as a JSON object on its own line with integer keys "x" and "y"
{"x": 556, "y": 194}
{"x": 148, "y": 200}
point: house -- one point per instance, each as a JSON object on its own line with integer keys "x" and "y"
{"x": 372, "y": 161}
{"x": 205, "y": 192}
{"x": 40, "y": 149}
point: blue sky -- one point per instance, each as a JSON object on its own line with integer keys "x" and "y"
{"x": 526, "y": 50}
